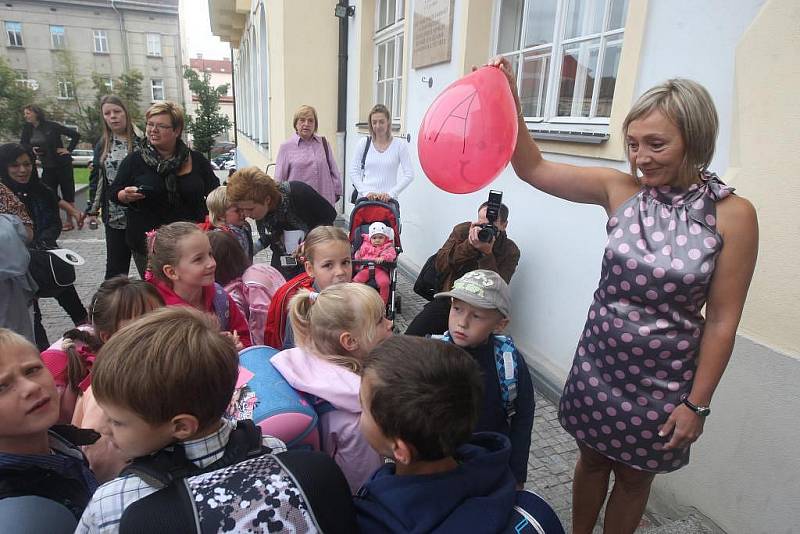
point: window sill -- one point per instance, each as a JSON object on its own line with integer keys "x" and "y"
{"x": 18, "y": 47}
{"x": 101, "y": 53}
{"x": 154, "y": 56}
{"x": 570, "y": 133}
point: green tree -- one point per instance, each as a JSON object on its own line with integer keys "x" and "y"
{"x": 208, "y": 122}
{"x": 14, "y": 95}
{"x": 129, "y": 88}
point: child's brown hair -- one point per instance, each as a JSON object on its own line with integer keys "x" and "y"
{"x": 425, "y": 392}
{"x": 117, "y": 300}
{"x": 168, "y": 362}
{"x": 232, "y": 261}
{"x": 164, "y": 247}
{"x": 318, "y": 320}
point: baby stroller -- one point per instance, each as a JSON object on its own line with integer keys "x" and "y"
{"x": 365, "y": 213}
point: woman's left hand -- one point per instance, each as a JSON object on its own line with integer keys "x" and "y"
{"x": 685, "y": 427}
{"x": 62, "y": 152}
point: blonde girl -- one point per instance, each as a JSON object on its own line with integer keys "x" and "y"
{"x": 335, "y": 330}
{"x": 327, "y": 261}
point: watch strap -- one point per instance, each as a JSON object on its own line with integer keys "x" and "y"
{"x": 702, "y": 411}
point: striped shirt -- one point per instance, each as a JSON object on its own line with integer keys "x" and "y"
{"x": 380, "y": 174}
{"x": 105, "y": 510}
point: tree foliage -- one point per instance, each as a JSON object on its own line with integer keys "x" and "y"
{"x": 208, "y": 122}
{"x": 14, "y": 95}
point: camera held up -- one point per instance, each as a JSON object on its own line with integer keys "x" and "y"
{"x": 488, "y": 231}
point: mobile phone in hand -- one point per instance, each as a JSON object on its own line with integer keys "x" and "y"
{"x": 145, "y": 189}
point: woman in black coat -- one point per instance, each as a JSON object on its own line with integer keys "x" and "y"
{"x": 44, "y": 138}
{"x": 18, "y": 173}
{"x": 164, "y": 182}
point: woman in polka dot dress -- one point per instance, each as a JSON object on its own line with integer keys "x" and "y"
{"x": 678, "y": 240}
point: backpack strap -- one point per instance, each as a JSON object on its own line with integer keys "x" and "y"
{"x": 506, "y": 359}
{"x": 221, "y": 307}
{"x": 167, "y": 466}
{"x": 277, "y": 313}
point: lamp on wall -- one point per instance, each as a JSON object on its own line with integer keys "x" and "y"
{"x": 343, "y": 11}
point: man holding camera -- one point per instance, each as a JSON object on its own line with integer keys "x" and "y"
{"x": 482, "y": 244}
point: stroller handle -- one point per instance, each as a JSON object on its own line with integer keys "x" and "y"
{"x": 391, "y": 264}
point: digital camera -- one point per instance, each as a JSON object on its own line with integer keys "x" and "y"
{"x": 488, "y": 231}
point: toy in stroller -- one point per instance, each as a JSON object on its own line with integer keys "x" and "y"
{"x": 365, "y": 213}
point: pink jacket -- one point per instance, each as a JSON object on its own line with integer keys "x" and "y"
{"x": 252, "y": 294}
{"x": 341, "y": 435}
{"x": 368, "y": 251}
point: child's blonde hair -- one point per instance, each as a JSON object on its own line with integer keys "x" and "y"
{"x": 320, "y": 235}
{"x": 217, "y": 204}
{"x": 164, "y": 246}
{"x": 171, "y": 361}
{"x": 318, "y": 319}
{"x": 10, "y": 339}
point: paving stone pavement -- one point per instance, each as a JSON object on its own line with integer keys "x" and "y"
{"x": 553, "y": 451}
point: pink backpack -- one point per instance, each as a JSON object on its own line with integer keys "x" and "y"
{"x": 253, "y": 293}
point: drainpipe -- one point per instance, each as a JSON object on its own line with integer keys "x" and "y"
{"x": 124, "y": 35}
{"x": 343, "y": 12}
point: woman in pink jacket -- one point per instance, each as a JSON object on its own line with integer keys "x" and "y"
{"x": 377, "y": 246}
{"x": 334, "y": 331}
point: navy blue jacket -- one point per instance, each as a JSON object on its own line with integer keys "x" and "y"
{"x": 493, "y": 414}
{"x": 475, "y": 497}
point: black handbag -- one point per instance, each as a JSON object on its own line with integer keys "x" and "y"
{"x": 429, "y": 281}
{"x": 51, "y": 273}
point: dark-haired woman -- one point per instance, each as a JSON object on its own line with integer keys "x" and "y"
{"x": 119, "y": 139}
{"x": 44, "y": 138}
{"x": 18, "y": 173}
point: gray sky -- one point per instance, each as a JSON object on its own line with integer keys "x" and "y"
{"x": 198, "y": 31}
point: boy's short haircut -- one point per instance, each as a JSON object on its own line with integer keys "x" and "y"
{"x": 251, "y": 183}
{"x": 171, "y": 361}
{"x": 9, "y": 339}
{"x": 217, "y": 204}
{"x": 425, "y": 392}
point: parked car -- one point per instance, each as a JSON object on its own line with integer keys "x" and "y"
{"x": 82, "y": 157}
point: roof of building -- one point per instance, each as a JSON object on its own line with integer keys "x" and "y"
{"x": 211, "y": 65}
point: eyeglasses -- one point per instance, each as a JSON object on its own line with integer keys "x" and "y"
{"x": 158, "y": 127}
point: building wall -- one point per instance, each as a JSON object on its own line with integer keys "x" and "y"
{"x": 78, "y": 21}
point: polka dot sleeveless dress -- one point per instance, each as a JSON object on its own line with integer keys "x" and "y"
{"x": 638, "y": 351}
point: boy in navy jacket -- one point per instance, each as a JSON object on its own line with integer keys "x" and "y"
{"x": 421, "y": 399}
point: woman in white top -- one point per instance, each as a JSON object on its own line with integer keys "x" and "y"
{"x": 378, "y": 178}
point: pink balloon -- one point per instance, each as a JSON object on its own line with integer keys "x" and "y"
{"x": 469, "y": 132}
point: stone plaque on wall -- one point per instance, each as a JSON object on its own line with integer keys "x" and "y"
{"x": 433, "y": 32}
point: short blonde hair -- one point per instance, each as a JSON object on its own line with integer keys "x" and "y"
{"x": 318, "y": 319}
{"x": 320, "y": 235}
{"x": 10, "y": 339}
{"x": 171, "y": 361}
{"x": 167, "y": 107}
{"x": 302, "y": 112}
{"x": 217, "y": 204}
{"x": 251, "y": 183}
{"x": 690, "y": 107}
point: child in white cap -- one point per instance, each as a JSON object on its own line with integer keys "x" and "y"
{"x": 377, "y": 246}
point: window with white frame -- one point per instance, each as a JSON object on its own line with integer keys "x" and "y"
{"x": 565, "y": 55}
{"x": 389, "y": 39}
{"x": 58, "y": 39}
{"x": 66, "y": 89}
{"x": 157, "y": 88}
{"x": 100, "y": 41}
{"x": 14, "y": 33}
{"x": 154, "y": 44}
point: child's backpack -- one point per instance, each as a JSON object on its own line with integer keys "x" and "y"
{"x": 247, "y": 490}
{"x": 275, "y": 406}
{"x": 532, "y": 515}
{"x": 277, "y": 314}
{"x": 506, "y": 358}
{"x": 222, "y": 307}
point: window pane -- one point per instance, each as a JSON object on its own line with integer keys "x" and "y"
{"x": 619, "y": 10}
{"x": 609, "y": 78}
{"x": 389, "y": 95}
{"x": 398, "y": 98}
{"x": 381, "y": 61}
{"x": 508, "y": 34}
{"x": 401, "y": 9}
{"x": 382, "y": 13}
{"x": 578, "y": 70}
{"x": 390, "y": 59}
{"x": 381, "y": 94}
{"x": 539, "y": 22}
{"x": 533, "y": 83}
{"x": 583, "y": 17}
{"x": 391, "y": 12}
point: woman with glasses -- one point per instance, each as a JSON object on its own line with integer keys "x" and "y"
{"x": 164, "y": 182}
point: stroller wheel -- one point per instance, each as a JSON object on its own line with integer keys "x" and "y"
{"x": 398, "y": 304}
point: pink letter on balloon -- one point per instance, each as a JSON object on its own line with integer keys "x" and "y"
{"x": 469, "y": 132}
